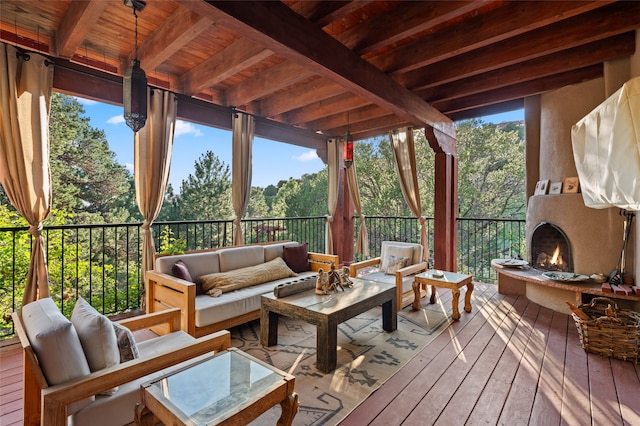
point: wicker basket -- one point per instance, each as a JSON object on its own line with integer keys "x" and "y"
{"x": 616, "y": 336}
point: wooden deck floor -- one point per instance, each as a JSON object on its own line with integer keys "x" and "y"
{"x": 509, "y": 361}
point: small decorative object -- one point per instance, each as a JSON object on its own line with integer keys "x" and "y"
{"x": 322, "y": 282}
{"x": 134, "y": 82}
{"x": 570, "y": 185}
{"x": 555, "y": 188}
{"x": 542, "y": 187}
{"x": 437, "y": 274}
{"x": 344, "y": 278}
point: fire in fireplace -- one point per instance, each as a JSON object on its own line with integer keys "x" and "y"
{"x": 550, "y": 249}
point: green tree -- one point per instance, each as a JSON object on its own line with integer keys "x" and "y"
{"x": 87, "y": 181}
{"x": 257, "y": 204}
{"x": 206, "y": 194}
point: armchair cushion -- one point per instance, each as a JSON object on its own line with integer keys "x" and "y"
{"x": 397, "y": 251}
{"x": 56, "y": 344}
{"x": 126, "y": 343}
{"x": 396, "y": 263}
{"x": 180, "y": 270}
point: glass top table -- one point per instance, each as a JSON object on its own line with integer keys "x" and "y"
{"x": 228, "y": 387}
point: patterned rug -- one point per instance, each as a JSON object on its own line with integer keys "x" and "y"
{"x": 367, "y": 357}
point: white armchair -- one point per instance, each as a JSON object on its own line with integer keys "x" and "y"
{"x": 397, "y": 263}
{"x": 60, "y": 389}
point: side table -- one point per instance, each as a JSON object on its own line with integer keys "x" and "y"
{"x": 450, "y": 280}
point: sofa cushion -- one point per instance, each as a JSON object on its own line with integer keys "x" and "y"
{"x": 240, "y": 257}
{"x": 197, "y": 263}
{"x": 245, "y": 277}
{"x": 271, "y": 251}
{"x": 56, "y": 344}
{"x": 415, "y": 257}
{"x": 297, "y": 257}
{"x": 210, "y": 310}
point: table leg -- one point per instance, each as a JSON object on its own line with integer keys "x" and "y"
{"x": 390, "y": 315}
{"x": 416, "y": 305}
{"x": 455, "y": 314}
{"x": 327, "y": 347}
{"x": 268, "y": 328}
{"x": 467, "y": 298}
{"x": 289, "y": 409}
{"x": 433, "y": 294}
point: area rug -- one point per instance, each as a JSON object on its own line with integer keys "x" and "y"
{"x": 367, "y": 357}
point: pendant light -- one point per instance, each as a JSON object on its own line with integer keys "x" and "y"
{"x": 134, "y": 82}
{"x": 348, "y": 147}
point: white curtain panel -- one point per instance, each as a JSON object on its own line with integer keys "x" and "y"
{"x": 153, "y": 145}
{"x": 243, "y": 129}
{"x": 25, "y": 99}
{"x": 332, "y": 198}
{"x": 404, "y": 154}
{"x": 362, "y": 245}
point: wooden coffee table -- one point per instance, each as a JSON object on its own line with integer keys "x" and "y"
{"x": 228, "y": 388}
{"x": 450, "y": 280}
{"x": 326, "y": 312}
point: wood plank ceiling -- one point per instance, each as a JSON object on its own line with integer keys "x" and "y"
{"x": 312, "y": 69}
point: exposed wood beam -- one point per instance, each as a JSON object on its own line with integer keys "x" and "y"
{"x": 507, "y": 21}
{"x": 325, "y": 12}
{"x": 336, "y": 104}
{"x": 567, "y": 60}
{"x": 516, "y": 91}
{"x": 296, "y": 97}
{"x": 381, "y": 124}
{"x": 181, "y": 27}
{"x": 78, "y": 20}
{"x": 606, "y": 22}
{"x": 266, "y": 83}
{"x": 242, "y": 54}
{"x": 402, "y": 22}
{"x": 281, "y": 30}
{"x": 352, "y": 117}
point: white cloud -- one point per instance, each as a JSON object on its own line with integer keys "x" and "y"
{"x": 129, "y": 166}
{"x": 116, "y": 119}
{"x": 307, "y": 156}
{"x": 185, "y": 128}
{"x": 87, "y": 102}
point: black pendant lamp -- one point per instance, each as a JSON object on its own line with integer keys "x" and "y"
{"x": 134, "y": 82}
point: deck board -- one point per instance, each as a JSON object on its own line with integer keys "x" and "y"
{"x": 509, "y": 361}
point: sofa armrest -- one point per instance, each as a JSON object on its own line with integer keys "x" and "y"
{"x": 322, "y": 260}
{"x": 57, "y": 398}
{"x": 166, "y": 291}
{"x": 171, "y": 317}
{"x": 354, "y": 267}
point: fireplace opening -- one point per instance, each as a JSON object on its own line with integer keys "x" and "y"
{"x": 550, "y": 249}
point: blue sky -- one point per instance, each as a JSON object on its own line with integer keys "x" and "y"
{"x": 272, "y": 161}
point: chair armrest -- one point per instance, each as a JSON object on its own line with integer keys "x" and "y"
{"x": 166, "y": 291}
{"x": 354, "y": 267}
{"x": 169, "y": 281}
{"x": 57, "y": 398}
{"x": 170, "y": 317}
{"x": 412, "y": 269}
{"x": 322, "y": 260}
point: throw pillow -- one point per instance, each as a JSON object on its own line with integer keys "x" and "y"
{"x": 297, "y": 257}
{"x": 396, "y": 263}
{"x": 180, "y": 270}
{"x": 245, "y": 277}
{"x": 126, "y": 343}
{"x": 56, "y": 344}
{"x": 97, "y": 336}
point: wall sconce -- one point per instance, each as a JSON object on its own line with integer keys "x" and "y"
{"x": 134, "y": 82}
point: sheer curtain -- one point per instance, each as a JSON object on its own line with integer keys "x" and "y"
{"x": 152, "y": 159}
{"x": 362, "y": 245}
{"x": 404, "y": 154}
{"x": 332, "y": 199}
{"x": 243, "y": 128}
{"x": 25, "y": 97}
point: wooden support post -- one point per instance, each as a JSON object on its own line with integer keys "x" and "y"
{"x": 446, "y": 211}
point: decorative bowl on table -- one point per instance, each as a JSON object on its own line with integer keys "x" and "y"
{"x": 564, "y": 276}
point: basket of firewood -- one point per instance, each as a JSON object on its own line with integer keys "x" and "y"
{"x": 606, "y": 330}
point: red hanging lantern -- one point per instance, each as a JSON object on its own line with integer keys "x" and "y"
{"x": 348, "y": 150}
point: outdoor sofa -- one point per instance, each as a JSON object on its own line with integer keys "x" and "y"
{"x": 246, "y": 273}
